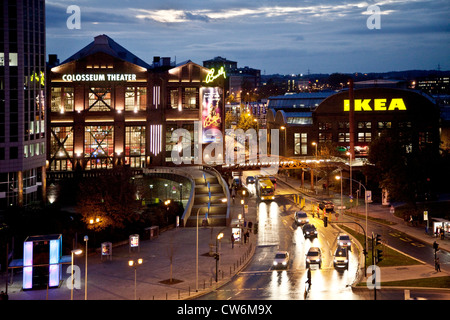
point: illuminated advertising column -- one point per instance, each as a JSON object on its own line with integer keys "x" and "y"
{"x": 211, "y": 114}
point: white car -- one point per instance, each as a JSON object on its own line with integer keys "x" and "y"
{"x": 341, "y": 258}
{"x": 343, "y": 240}
{"x": 301, "y": 218}
{"x": 281, "y": 259}
{"x": 314, "y": 256}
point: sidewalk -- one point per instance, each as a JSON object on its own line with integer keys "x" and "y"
{"x": 115, "y": 280}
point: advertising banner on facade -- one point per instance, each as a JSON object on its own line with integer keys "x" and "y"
{"x": 211, "y": 114}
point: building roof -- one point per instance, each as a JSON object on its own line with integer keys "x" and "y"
{"x": 308, "y": 100}
{"x": 105, "y": 44}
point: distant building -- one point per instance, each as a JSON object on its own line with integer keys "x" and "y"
{"x": 376, "y": 110}
{"x": 22, "y": 102}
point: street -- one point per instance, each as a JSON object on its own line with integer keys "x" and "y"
{"x": 277, "y": 231}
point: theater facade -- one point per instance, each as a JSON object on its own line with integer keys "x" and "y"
{"x": 107, "y": 107}
{"x": 410, "y": 113}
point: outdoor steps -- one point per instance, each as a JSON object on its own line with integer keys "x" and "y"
{"x": 218, "y": 209}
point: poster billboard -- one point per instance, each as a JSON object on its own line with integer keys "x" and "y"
{"x": 211, "y": 114}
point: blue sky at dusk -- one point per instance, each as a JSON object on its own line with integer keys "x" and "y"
{"x": 275, "y": 36}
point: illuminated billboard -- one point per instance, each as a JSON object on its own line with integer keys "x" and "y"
{"x": 211, "y": 114}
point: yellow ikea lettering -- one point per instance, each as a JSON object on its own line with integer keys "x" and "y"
{"x": 397, "y": 104}
{"x": 362, "y": 105}
{"x": 378, "y": 105}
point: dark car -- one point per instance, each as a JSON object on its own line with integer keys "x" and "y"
{"x": 328, "y": 206}
{"x": 309, "y": 231}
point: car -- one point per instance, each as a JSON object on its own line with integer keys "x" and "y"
{"x": 343, "y": 240}
{"x": 309, "y": 230}
{"x": 301, "y": 217}
{"x": 328, "y": 206}
{"x": 250, "y": 179}
{"x": 314, "y": 256}
{"x": 281, "y": 259}
{"x": 341, "y": 258}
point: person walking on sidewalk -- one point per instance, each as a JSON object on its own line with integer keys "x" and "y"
{"x": 232, "y": 241}
{"x": 437, "y": 264}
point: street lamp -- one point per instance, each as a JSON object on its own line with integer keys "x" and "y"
{"x": 340, "y": 178}
{"x": 219, "y": 236}
{"x": 365, "y": 201}
{"x": 196, "y": 254}
{"x": 134, "y": 264}
{"x": 285, "y": 142}
{"x": 77, "y": 252}
{"x": 86, "y": 238}
{"x": 351, "y": 191}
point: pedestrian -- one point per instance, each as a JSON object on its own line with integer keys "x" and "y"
{"x": 232, "y": 241}
{"x": 308, "y": 278}
{"x": 247, "y": 236}
{"x": 437, "y": 264}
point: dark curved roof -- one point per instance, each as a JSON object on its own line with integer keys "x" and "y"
{"x": 105, "y": 44}
{"x": 415, "y": 101}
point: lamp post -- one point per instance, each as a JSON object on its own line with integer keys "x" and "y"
{"x": 285, "y": 142}
{"x": 315, "y": 144}
{"x": 365, "y": 201}
{"x": 219, "y": 236}
{"x": 350, "y": 162}
{"x": 86, "y": 238}
{"x": 77, "y": 252}
{"x": 340, "y": 178}
{"x": 151, "y": 193}
{"x": 134, "y": 264}
{"x": 196, "y": 253}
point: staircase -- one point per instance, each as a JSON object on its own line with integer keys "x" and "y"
{"x": 218, "y": 209}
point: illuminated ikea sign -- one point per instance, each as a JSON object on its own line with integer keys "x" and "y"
{"x": 376, "y": 105}
{"x": 210, "y": 77}
{"x": 99, "y": 77}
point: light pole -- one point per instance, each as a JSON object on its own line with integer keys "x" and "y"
{"x": 196, "y": 253}
{"x": 77, "y": 252}
{"x": 351, "y": 190}
{"x": 151, "y": 193}
{"x": 134, "y": 264}
{"x": 315, "y": 144}
{"x": 285, "y": 142}
{"x": 86, "y": 238}
{"x": 340, "y": 178}
{"x": 219, "y": 236}
{"x": 365, "y": 201}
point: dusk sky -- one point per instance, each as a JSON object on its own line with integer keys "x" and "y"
{"x": 275, "y": 36}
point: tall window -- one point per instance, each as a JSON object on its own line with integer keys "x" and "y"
{"x": 136, "y": 99}
{"x": 190, "y": 98}
{"x": 62, "y": 99}
{"x": 99, "y": 146}
{"x": 173, "y": 98}
{"x": 100, "y": 99}
{"x": 135, "y": 146}
{"x": 61, "y": 148}
{"x": 300, "y": 143}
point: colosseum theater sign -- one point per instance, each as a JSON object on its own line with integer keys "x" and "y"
{"x": 376, "y": 104}
{"x": 90, "y": 77}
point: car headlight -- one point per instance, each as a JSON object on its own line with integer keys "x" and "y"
{"x": 307, "y": 232}
{"x": 275, "y": 263}
{"x": 307, "y": 260}
{"x": 284, "y": 263}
